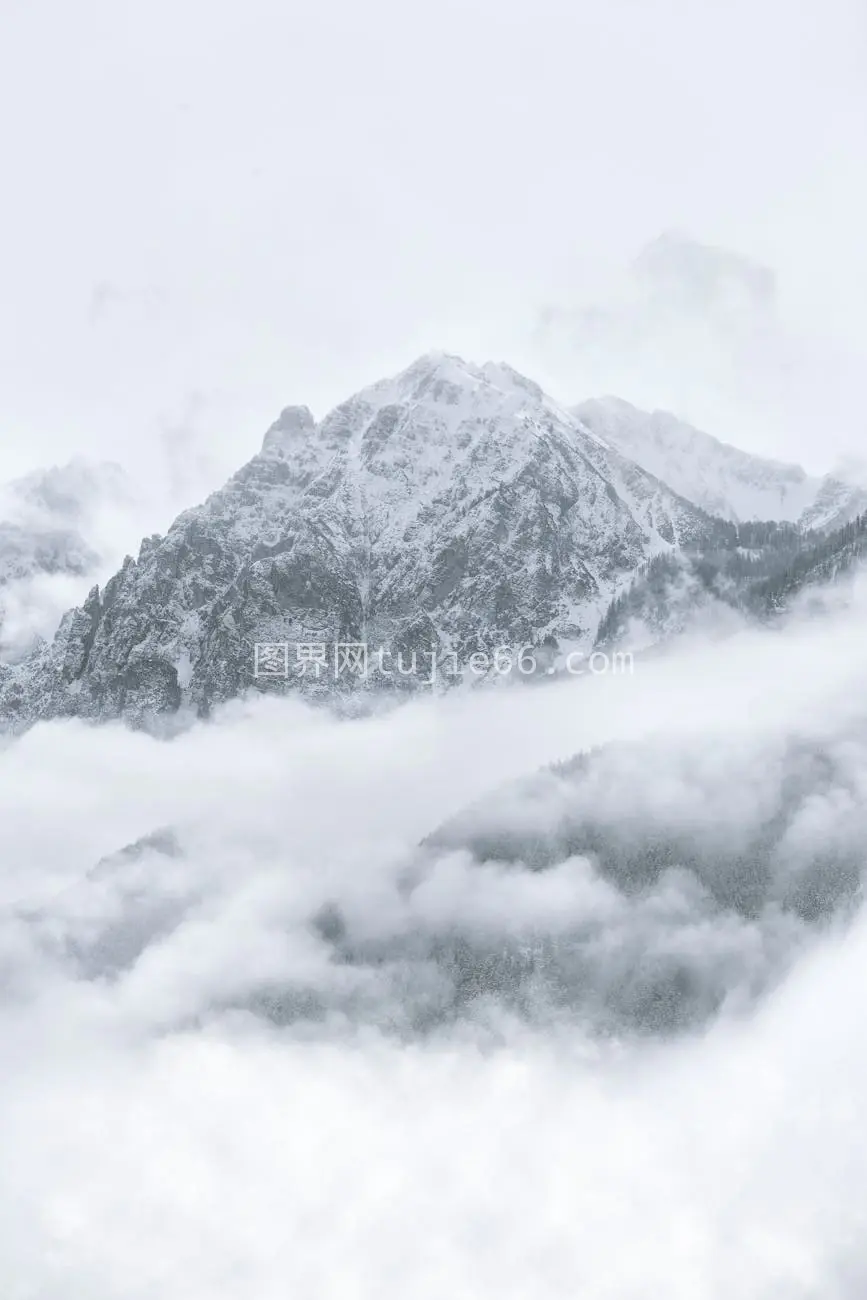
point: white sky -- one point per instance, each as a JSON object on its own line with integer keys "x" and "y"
{"x": 212, "y": 210}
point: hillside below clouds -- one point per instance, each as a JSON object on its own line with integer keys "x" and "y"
{"x": 452, "y": 508}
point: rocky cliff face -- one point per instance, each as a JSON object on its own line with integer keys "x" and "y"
{"x": 445, "y": 512}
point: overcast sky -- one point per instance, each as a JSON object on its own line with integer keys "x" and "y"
{"x": 211, "y": 210}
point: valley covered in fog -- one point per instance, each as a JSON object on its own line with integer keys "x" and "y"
{"x": 290, "y": 1000}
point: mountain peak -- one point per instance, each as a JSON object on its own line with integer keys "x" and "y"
{"x": 700, "y": 275}
{"x": 449, "y": 508}
{"x": 294, "y": 422}
{"x": 434, "y": 368}
{"x": 441, "y": 376}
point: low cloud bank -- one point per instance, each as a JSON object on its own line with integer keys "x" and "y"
{"x": 369, "y": 1008}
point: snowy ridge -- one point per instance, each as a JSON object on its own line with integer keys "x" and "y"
{"x": 720, "y": 478}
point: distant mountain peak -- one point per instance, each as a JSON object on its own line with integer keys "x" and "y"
{"x": 697, "y": 274}
{"x": 721, "y": 478}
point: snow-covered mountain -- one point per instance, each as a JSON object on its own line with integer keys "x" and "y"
{"x": 450, "y": 510}
{"x": 719, "y": 478}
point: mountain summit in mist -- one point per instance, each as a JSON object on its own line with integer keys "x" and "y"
{"x": 453, "y": 508}
{"x": 445, "y": 512}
